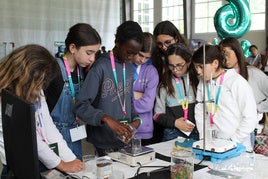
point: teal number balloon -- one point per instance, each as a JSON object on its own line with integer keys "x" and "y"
{"x": 245, "y": 44}
{"x": 215, "y": 41}
{"x": 233, "y": 19}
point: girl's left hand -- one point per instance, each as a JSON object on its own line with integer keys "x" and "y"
{"x": 135, "y": 124}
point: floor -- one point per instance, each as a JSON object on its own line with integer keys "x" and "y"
{"x": 87, "y": 148}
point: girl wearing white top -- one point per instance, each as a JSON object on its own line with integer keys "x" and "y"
{"x": 25, "y": 72}
{"x": 231, "y": 107}
{"x": 258, "y": 81}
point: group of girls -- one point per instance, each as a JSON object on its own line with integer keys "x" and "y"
{"x": 107, "y": 106}
{"x": 236, "y": 93}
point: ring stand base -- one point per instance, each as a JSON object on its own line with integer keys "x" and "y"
{"x": 217, "y": 150}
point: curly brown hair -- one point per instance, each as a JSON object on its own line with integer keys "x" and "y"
{"x": 26, "y": 71}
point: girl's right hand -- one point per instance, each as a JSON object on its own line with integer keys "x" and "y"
{"x": 183, "y": 125}
{"x": 122, "y": 130}
{"x": 71, "y": 167}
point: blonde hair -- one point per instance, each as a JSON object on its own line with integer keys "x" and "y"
{"x": 26, "y": 71}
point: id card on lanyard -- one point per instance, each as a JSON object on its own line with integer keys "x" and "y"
{"x": 78, "y": 133}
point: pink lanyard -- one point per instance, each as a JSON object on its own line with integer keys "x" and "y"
{"x": 122, "y": 104}
{"x": 70, "y": 77}
{"x": 216, "y": 103}
{"x": 184, "y": 100}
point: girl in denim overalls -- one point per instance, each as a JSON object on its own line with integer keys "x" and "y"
{"x": 82, "y": 43}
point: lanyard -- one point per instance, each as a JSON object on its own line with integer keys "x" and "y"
{"x": 39, "y": 121}
{"x": 122, "y": 104}
{"x": 70, "y": 77}
{"x": 216, "y": 102}
{"x": 184, "y": 100}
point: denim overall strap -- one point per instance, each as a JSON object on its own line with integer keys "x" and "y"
{"x": 62, "y": 113}
{"x": 63, "y": 70}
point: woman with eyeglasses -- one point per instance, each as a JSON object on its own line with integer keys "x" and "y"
{"x": 175, "y": 101}
{"x": 165, "y": 33}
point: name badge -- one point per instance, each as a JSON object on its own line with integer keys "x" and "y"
{"x": 78, "y": 133}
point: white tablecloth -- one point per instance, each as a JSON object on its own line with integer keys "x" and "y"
{"x": 238, "y": 166}
{"x": 257, "y": 170}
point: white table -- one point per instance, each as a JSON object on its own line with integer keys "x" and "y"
{"x": 259, "y": 170}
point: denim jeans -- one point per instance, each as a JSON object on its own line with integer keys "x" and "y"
{"x": 170, "y": 134}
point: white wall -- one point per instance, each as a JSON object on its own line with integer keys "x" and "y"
{"x": 46, "y": 21}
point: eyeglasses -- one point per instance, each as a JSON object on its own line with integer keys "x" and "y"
{"x": 178, "y": 67}
{"x": 165, "y": 43}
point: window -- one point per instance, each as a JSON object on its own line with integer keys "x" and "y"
{"x": 146, "y": 11}
{"x": 257, "y": 8}
{"x": 205, "y": 11}
{"x": 204, "y": 15}
{"x": 172, "y": 10}
{"x": 143, "y": 14}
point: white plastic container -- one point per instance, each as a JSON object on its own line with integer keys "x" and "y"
{"x": 104, "y": 167}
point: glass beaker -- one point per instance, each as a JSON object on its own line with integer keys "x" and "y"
{"x": 182, "y": 164}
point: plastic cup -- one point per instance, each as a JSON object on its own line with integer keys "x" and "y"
{"x": 136, "y": 144}
{"x": 182, "y": 164}
{"x": 104, "y": 167}
{"x": 127, "y": 139}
